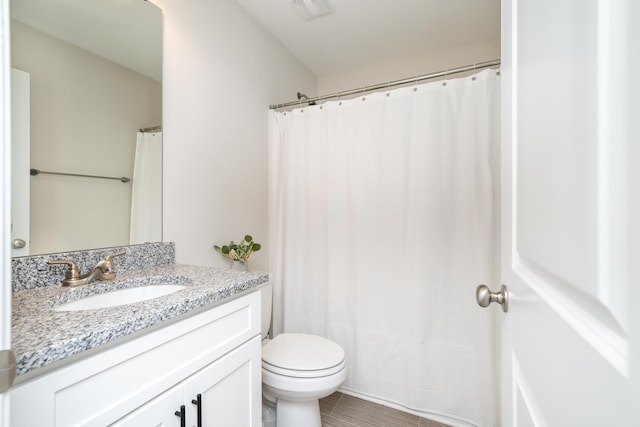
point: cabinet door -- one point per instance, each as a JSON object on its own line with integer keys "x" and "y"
{"x": 159, "y": 412}
{"x": 230, "y": 389}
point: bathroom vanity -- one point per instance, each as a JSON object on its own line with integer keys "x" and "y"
{"x": 191, "y": 357}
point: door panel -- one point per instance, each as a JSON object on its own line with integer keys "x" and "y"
{"x": 558, "y": 139}
{"x": 5, "y": 180}
{"x": 569, "y": 350}
{"x": 159, "y": 412}
{"x": 229, "y": 388}
{"x": 20, "y": 151}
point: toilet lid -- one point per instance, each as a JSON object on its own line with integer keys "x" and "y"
{"x": 302, "y": 352}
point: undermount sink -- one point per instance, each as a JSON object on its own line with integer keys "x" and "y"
{"x": 119, "y": 297}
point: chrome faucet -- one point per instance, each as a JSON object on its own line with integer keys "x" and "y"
{"x": 104, "y": 270}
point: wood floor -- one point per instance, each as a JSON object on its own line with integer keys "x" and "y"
{"x": 342, "y": 410}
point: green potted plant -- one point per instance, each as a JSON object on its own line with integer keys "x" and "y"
{"x": 239, "y": 252}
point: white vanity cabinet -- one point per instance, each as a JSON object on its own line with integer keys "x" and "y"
{"x": 157, "y": 412}
{"x": 145, "y": 380}
{"x": 218, "y": 395}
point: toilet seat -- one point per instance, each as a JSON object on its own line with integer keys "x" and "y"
{"x": 303, "y": 374}
{"x": 302, "y": 356}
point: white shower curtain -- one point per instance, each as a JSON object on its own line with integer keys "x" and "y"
{"x": 146, "y": 191}
{"x": 382, "y": 223}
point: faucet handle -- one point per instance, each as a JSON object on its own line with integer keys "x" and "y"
{"x": 72, "y": 273}
{"x": 115, "y": 254}
{"x": 108, "y": 271}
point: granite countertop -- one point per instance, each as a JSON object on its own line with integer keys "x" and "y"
{"x": 42, "y": 336}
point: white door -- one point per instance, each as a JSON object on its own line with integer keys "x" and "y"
{"x": 571, "y": 185}
{"x": 228, "y": 390}
{"x": 163, "y": 411}
{"x": 5, "y": 254}
{"x": 20, "y": 142}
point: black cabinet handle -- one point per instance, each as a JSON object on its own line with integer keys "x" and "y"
{"x": 182, "y": 415}
{"x": 198, "y": 402}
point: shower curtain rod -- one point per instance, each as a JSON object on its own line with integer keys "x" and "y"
{"x": 34, "y": 172}
{"x": 151, "y": 129}
{"x": 445, "y": 73}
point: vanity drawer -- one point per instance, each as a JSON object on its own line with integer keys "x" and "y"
{"x": 99, "y": 389}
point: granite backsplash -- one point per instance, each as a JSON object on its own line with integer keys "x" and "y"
{"x": 32, "y": 272}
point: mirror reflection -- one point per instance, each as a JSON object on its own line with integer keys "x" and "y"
{"x": 86, "y": 78}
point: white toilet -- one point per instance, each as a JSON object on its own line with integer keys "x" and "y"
{"x": 297, "y": 370}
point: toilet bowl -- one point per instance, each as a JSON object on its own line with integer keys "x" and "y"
{"x": 297, "y": 371}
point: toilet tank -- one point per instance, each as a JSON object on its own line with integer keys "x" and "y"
{"x": 266, "y": 308}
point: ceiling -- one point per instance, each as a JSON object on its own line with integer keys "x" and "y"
{"x": 128, "y": 32}
{"x": 358, "y": 32}
{"x": 365, "y": 31}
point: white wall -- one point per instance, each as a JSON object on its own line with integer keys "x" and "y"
{"x": 85, "y": 112}
{"x": 408, "y": 66}
{"x": 221, "y": 72}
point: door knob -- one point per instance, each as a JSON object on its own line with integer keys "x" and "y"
{"x": 484, "y": 296}
{"x": 18, "y": 243}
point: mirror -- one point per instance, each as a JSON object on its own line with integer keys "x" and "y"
{"x": 93, "y": 75}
